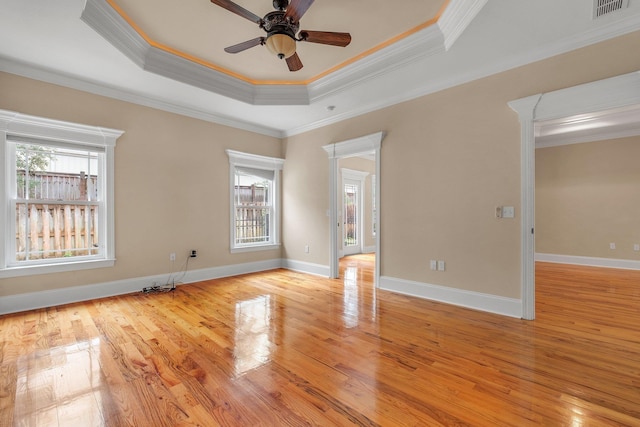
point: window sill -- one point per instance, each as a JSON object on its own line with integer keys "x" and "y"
{"x": 266, "y": 247}
{"x": 30, "y": 270}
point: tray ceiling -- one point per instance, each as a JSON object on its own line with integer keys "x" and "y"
{"x": 98, "y": 47}
{"x": 201, "y": 30}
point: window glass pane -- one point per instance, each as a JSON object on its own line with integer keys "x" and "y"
{"x": 51, "y": 181}
{"x": 49, "y": 231}
{"x": 252, "y": 190}
{"x": 253, "y": 200}
{"x": 350, "y": 215}
{"x": 252, "y": 225}
{"x": 56, "y": 173}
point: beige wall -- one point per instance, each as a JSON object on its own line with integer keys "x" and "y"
{"x": 171, "y": 183}
{"x": 305, "y": 195}
{"x": 461, "y": 149}
{"x": 588, "y": 196}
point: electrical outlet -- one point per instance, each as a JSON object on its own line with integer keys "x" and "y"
{"x": 433, "y": 264}
{"x": 172, "y": 256}
{"x": 194, "y": 253}
{"x": 441, "y": 265}
{"x": 636, "y": 247}
{"x": 306, "y": 249}
{"x": 508, "y": 212}
{"x": 612, "y": 245}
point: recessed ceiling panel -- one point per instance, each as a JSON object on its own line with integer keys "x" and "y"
{"x": 201, "y": 29}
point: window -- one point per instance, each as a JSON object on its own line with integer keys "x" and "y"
{"x": 255, "y": 203}
{"x": 57, "y": 189}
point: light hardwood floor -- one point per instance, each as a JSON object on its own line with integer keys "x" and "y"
{"x": 284, "y": 348}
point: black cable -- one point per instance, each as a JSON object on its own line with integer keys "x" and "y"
{"x": 170, "y": 284}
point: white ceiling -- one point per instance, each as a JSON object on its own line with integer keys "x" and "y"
{"x": 48, "y": 40}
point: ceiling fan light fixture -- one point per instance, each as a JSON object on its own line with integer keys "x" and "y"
{"x": 283, "y": 30}
{"x": 280, "y": 44}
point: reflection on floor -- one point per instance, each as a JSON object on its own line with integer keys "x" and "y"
{"x": 286, "y": 348}
{"x": 355, "y": 270}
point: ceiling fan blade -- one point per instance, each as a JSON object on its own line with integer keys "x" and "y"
{"x": 297, "y": 8}
{"x": 294, "y": 63}
{"x": 326, "y": 37}
{"x": 244, "y": 45}
{"x": 238, "y": 10}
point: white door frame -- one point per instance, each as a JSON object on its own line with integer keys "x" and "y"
{"x": 616, "y": 92}
{"x": 350, "y": 148}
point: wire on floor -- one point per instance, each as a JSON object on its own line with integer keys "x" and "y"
{"x": 170, "y": 284}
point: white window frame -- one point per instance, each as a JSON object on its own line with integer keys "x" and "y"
{"x": 22, "y": 127}
{"x": 237, "y": 158}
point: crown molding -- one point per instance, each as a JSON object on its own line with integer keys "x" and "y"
{"x": 137, "y": 48}
{"x": 74, "y": 82}
{"x": 104, "y": 20}
{"x": 107, "y": 22}
{"x": 424, "y": 43}
{"x": 586, "y": 38}
{"x": 427, "y": 42}
{"x": 456, "y": 17}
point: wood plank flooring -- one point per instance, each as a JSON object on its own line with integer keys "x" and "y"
{"x": 287, "y": 349}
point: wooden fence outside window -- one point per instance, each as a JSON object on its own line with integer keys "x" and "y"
{"x": 58, "y": 219}
{"x": 252, "y": 214}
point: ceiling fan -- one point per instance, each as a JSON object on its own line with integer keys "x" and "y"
{"x": 283, "y": 30}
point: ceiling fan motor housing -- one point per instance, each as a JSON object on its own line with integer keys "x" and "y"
{"x": 275, "y": 23}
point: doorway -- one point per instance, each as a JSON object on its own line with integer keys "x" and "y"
{"x": 368, "y": 145}
{"x": 352, "y": 217}
{"x": 583, "y": 102}
{"x": 353, "y": 212}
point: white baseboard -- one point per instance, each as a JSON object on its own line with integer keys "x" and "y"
{"x": 35, "y": 300}
{"x": 627, "y": 264}
{"x": 485, "y": 302}
{"x": 231, "y": 270}
{"x": 306, "y": 267}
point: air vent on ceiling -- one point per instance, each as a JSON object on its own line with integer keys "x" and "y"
{"x": 604, "y": 7}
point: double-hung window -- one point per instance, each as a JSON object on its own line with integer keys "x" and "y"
{"x": 57, "y": 191}
{"x": 255, "y": 201}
